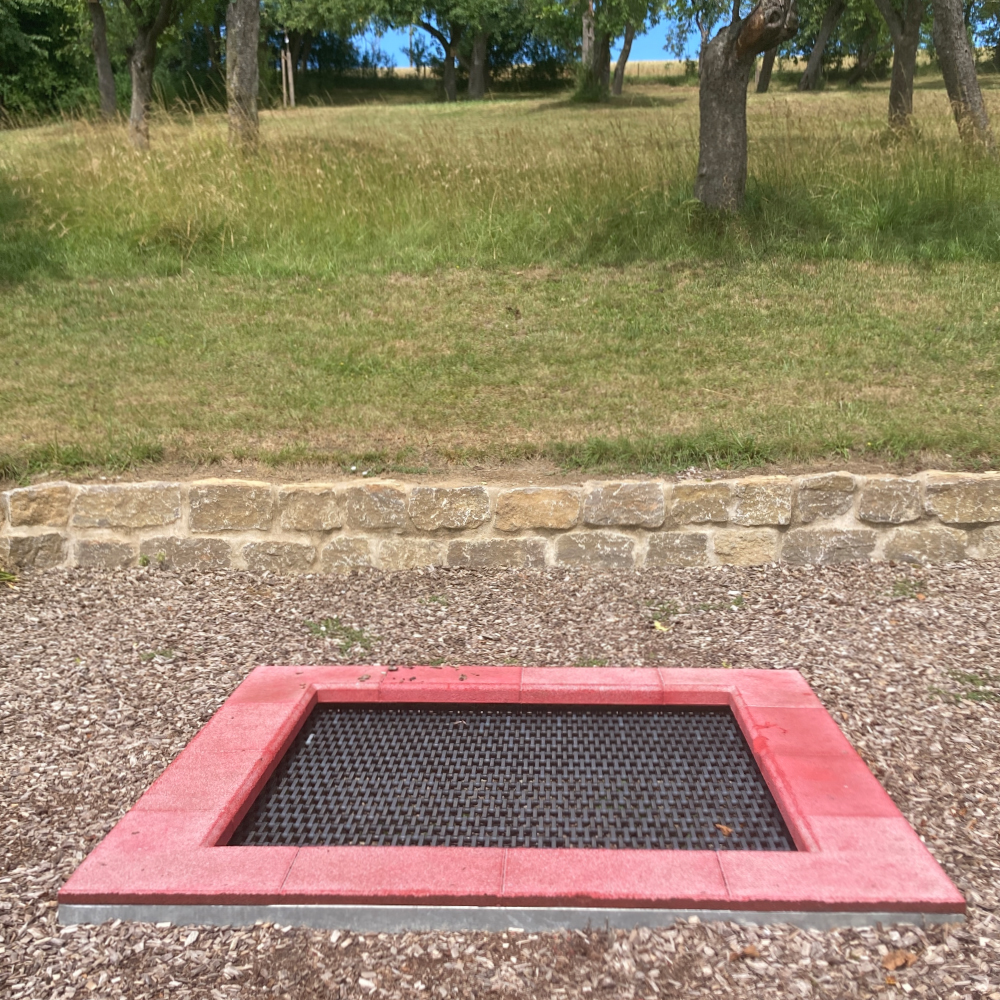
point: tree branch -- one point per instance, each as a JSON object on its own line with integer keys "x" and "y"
{"x": 435, "y": 33}
{"x": 769, "y": 24}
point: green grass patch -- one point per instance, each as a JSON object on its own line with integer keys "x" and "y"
{"x": 398, "y": 288}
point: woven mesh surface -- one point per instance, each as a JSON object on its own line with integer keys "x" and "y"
{"x": 502, "y": 776}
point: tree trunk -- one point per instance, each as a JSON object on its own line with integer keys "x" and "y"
{"x": 833, "y": 13}
{"x": 587, "y": 49}
{"x": 477, "y": 70}
{"x": 616, "y": 86}
{"x": 450, "y": 83}
{"x": 306, "y": 51}
{"x": 726, "y": 66}
{"x": 766, "y": 68}
{"x": 604, "y": 63}
{"x": 959, "y": 68}
{"x": 905, "y": 31}
{"x": 105, "y": 74}
{"x": 142, "y": 59}
{"x": 242, "y": 74}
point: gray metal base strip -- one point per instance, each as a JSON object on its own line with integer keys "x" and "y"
{"x": 367, "y": 919}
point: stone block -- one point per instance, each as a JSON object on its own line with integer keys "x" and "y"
{"x": 230, "y": 505}
{"x": 310, "y": 508}
{"x": 984, "y": 543}
{"x": 344, "y": 554}
{"x": 700, "y": 503}
{"x": 105, "y": 554}
{"x": 497, "y": 553}
{"x": 595, "y": 550}
{"x": 964, "y": 499}
{"x": 433, "y": 507}
{"x": 46, "y": 505}
{"x": 633, "y": 505}
{"x": 889, "y": 500}
{"x": 127, "y": 506}
{"x": 762, "y": 500}
{"x": 668, "y": 549}
{"x": 207, "y": 554}
{"x": 746, "y": 546}
{"x": 926, "y": 544}
{"x": 827, "y": 495}
{"x": 35, "y": 551}
{"x": 822, "y": 546}
{"x": 279, "y": 557}
{"x": 410, "y": 553}
{"x": 554, "y": 507}
{"x": 375, "y": 506}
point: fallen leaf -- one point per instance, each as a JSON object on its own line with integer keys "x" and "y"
{"x": 750, "y": 951}
{"x": 898, "y": 959}
{"x": 921, "y": 597}
{"x": 890, "y": 980}
{"x": 364, "y": 677}
{"x": 726, "y": 830}
{"x": 660, "y": 627}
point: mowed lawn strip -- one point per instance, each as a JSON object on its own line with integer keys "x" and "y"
{"x": 802, "y": 358}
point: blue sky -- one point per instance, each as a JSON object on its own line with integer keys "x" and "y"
{"x": 648, "y": 46}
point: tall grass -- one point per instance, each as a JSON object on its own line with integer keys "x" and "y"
{"x": 510, "y": 183}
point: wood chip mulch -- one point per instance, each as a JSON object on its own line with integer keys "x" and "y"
{"x": 105, "y": 677}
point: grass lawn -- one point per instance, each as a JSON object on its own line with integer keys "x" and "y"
{"x": 418, "y": 286}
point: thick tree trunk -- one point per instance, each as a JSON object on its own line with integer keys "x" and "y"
{"x": 959, "y": 68}
{"x": 477, "y": 69}
{"x": 619, "y": 80}
{"x": 141, "y": 62}
{"x": 905, "y": 31}
{"x": 105, "y": 74}
{"x": 587, "y": 48}
{"x": 766, "y": 69}
{"x": 833, "y": 13}
{"x": 604, "y": 63}
{"x": 242, "y": 74}
{"x": 725, "y": 73}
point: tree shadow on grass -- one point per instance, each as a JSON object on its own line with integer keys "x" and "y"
{"x": 612, "y": 104}
{"x": 26, "y": 247}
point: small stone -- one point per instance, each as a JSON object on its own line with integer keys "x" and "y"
{"x": 595, "y": 550}
{"x": 634, "y": 505}
{"x": 970, "y": 498}
{"x": 433, "y": 507}
{"x": 208, "y": 554}
{"x": 822, "y": 546}
{"x": 34, "y": 551}
{"x": 104, "y": 554}
{"x": 344, "y": 554}
{"x": 698, "y": 503}
{"x": 230, "y": 505}
{"x": 889, "y": 500}
{"x": 984, "y": 543}
{"x": 410, "y": 553}
{"x": 927, "y": 544}
{"x": 746, "y": 547}
{"x": 128, "y": 506}
{"x": 374, "y": 506}
{"x": 497, "y": 553}
{"x": 762, "y": 500}
{"x": 310, "y": 508}
{"x": 668, "y": 549}
{"x": 552, "y": 507}
{"x": 278, "y": 557}
{"x": 36, "y": 506}
{"x": 827, "y": 495}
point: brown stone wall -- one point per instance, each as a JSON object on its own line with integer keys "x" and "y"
{"x": 932, "y": 517}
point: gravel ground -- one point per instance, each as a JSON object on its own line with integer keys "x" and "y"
{"x": 105, "y": 677}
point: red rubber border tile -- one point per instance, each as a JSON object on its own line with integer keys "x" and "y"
{"x": 855, "y": 849}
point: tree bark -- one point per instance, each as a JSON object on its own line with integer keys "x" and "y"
{"x": 477, "y": 69}
{"x": 725, "y": 73}
{"x": 905, "y": 31}
{"x": 959, "y": 69}
{"x": 833, "y": 13}
{"x": 149, "y": 25}
{"x": 766, "y": 68}
{"x": 242, "y": 73}
{"x": 604, "y": 63}
{"x": 587, "y": 48}
{"x": 619, "y": 80}
{"x": 450, "y": 46}
{"x": 105, "y": 74}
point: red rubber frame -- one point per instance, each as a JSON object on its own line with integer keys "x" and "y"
{"x": 856, "y": 851}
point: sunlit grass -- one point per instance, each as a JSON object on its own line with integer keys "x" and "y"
{"x": 412, "y": 285}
